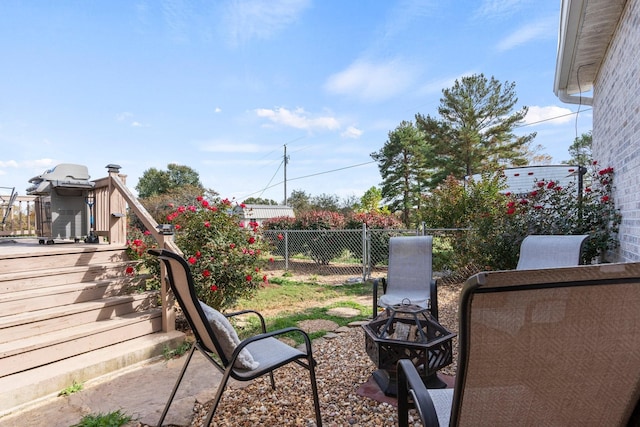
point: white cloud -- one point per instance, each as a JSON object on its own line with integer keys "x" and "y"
{"x": 298, "y": 119}
{"x": 551, "y": 114}
{"x": 543, "y": 28}
{"x": 352, "y": 132}
{"x": 499, "y": 8}
{"x": 218, "y": 110}
{"x": 177, "y": 15}
{"x": 8, "y": 164}
{"x": 373, "y": 81}
{"x": 260, "y": 19}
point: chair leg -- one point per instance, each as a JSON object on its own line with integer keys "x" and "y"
{"x": 375, "y": 299}
{"x": 273, "y": 381}
{"x": 216, "y": 400}
{"x": 314, "y": 389}
{"x": 175, "y": 387}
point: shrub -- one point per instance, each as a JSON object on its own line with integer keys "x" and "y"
{"x": 138, "y": 242}
{"x": 497, "y": 223}
{"x": 552, "y": 209}
{"x": 223, "y": 253}
{"x": 277, "y": 242}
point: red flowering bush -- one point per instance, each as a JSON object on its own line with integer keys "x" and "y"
{"x": 497, "y": 222}
{"x": 138, "y": 242}
{"x": 552, "y": 209}
{"x": 223, "y": 253}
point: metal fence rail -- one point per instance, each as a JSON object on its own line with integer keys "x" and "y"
{"x": 358, "y": 252}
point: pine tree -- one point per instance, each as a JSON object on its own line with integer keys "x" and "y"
{"x": 474, "y": 133}
{"x": 403, "y": 165}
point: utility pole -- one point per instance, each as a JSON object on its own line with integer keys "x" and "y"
{"x": 286, "y": 160}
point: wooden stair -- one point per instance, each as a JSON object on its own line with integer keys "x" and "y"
{"x": 67, "y": 315}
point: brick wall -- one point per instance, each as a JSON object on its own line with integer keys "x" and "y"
{"x": 616, "y": 125}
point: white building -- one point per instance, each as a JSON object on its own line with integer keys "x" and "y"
{"x": 260, "y": 213}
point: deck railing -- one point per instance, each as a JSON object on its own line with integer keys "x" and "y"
{"x": 17, "y": 213}
{"x": 113, "y": 200}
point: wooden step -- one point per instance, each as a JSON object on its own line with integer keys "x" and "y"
{"x": 30, "y": 323}
{"x": 41, "y": 298}
{"x": 28, "y": 388}
{"x": 39, "y": 350}
{"x": 42, "y": 258}
{"x": 34, "y": 279}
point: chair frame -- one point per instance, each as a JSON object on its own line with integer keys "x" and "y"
{"x": 172, "y": 260}
{"x": 410, "y": 387}
{"x": 433, "y": 292}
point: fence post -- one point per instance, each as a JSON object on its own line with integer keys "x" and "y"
{"x": 286, "y": 250}
{"x": 365, "y": 253}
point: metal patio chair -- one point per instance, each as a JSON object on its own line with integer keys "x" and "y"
{"x": 241, "y": 360}
{"x": 550, "y": 251}
{"x": 556, "y": 347}
{"x": 409, "y": 276}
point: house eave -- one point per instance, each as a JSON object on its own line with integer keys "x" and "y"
{"x": 586, "y": 29}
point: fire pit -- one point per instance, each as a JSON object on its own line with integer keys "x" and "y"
{"x": 407, "y": 331}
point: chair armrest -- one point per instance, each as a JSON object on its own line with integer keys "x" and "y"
{"x": 410, "y": 383}
{"x": 238, "y": 313}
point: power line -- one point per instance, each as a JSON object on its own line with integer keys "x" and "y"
{"x": 553, "y": 118}
{"x": 311, "y": 175}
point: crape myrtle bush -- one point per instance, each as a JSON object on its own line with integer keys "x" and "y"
{"x": 497, "y": 222}
{"x": 323, "y": 246}
{"x": 224, "y": 253}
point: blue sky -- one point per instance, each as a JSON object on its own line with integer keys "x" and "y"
{"x": 222, "y": 86}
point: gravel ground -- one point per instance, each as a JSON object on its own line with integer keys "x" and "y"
{"x": 343, "y": 366}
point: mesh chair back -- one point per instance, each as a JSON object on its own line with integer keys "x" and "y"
{"x": 410, "y": 260}
{"x": 181, "y": 282}
{"x": 549, "y": 347}
{"x": 549, "y": 251}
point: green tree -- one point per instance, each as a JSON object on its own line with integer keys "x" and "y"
{"x": 259, "y": 201}
{"x": 403, "y": 165}
{"x": 474, "y": 133}
{"x": 299, "y": 201}
{"x": 325, "y": 202}
{"x": 154, "y": 182}
{"x": 370, "y": 200}
{"x": 580, "y": 151}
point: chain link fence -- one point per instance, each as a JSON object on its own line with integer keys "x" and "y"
{"x": 359, "y": 254}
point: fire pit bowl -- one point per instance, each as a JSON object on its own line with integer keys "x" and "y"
{"x": 407, "y": 331}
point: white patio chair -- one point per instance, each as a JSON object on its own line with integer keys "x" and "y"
{"x": 409, "y": 276}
